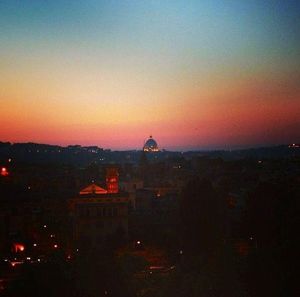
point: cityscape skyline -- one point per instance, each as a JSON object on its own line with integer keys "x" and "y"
{"x": 206, "y": 75}
{"x": 149, "y": 148}
{"x": 160, "y": 148}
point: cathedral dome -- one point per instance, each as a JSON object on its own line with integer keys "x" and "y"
{"x": 150, "y": 145}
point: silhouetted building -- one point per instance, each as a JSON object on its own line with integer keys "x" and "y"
{"x": 150, "y": 145}
{"x": 99, "y": 215}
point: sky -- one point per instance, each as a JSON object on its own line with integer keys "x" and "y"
{"x": 194, "y": 74}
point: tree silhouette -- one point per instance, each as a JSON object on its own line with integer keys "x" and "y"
{"x": 271, "y": 220}
{"x": 201, "y": 215}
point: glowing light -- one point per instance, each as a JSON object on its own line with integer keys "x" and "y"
{"x": 15, "y": 263}
{"x": 112, "y": 180}
{"x": 45, "y": 226}
{"x": 4, "y": 171}
{"x": 34, "y": 244}
{"x": 55, "y": 246}
{"x": 18, "y": 247}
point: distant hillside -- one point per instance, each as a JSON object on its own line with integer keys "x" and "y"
{"x": 82, "y": 155}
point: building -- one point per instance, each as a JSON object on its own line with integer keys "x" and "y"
{"x": 98, "y": 214}
{"x": 150, "y": 145}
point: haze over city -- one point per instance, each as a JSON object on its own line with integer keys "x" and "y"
{"x": 196, "y": 74}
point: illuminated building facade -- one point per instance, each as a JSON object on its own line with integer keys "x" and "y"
{"x": 112, "y": 180}
{"x": 150, "y": 145}
{"x": 98, "y": 214}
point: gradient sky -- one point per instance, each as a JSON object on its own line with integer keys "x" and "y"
{"x": 194, "y": 74}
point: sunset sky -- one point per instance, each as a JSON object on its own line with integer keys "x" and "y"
{"x": 194, "y": 74}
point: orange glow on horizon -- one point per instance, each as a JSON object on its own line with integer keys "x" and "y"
{"x": 241, "y": 110}
{"x": 195, "y": 76}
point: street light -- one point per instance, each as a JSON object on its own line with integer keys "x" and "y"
{"x": 4, "y": 171}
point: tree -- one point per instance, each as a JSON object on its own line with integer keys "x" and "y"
{"x": 207, "y": 266}
{"x": 272, "y": 220}
{"x": 201, "y": 216}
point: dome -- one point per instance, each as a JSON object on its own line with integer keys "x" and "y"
{"x": 150, "y": 145}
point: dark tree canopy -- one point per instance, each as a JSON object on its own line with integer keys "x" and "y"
{"x": 272, "y": 221}
{"x": 201, "y": 217}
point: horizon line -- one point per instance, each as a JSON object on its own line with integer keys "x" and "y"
{"x": 171, "y": 149}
